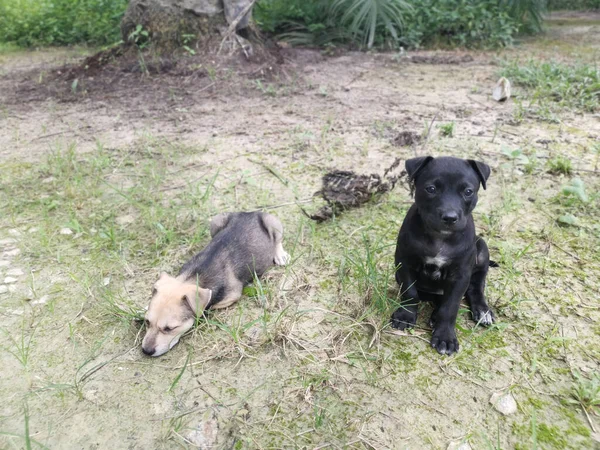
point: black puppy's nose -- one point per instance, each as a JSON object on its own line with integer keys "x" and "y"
{"x": 450, "y": 218}
{"x": 149, "y": 352}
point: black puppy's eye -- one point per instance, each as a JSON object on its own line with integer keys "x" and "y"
{"x": 430, "y": 189}
{"x": 468, "y": 192}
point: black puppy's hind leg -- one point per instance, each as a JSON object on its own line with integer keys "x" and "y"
{"x": 406, "y": 314}
{"x": 481, "y": 312}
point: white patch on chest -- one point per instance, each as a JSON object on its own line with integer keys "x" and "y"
{"x": 438, "y": 260}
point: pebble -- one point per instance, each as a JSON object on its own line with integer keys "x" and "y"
{"x": 204, "y": 436}
{"x": 15, "y": 272}
{"x": 504, "y": 403}
{"x": 3, "y": 289}
{"x": 13, "y": 252}
{"x": 14, "y": 232}
{"x": 4, "y": 263}
{"x": 66, "y": 231}
{"x": 6, "y": 242}
{"x": 10, "y": 280}
{"x": 459, "y": 445}
{"x": 41, "y": 301}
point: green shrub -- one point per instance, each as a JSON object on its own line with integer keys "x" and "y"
{"x": 394, "y": 23}
{"x": 60, "y": 22}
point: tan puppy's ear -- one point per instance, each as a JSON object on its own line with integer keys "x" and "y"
{"x": 196, "y": 298}
{"x": 163, "y": 275}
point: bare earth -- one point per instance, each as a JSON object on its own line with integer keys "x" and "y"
{"x": 109, "y": 177}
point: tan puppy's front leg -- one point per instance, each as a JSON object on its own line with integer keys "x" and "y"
{"x": 275, "y": 228}
{"x": 233, "y": 295}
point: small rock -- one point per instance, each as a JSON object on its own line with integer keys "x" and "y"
{"x": 41, "y": 301}
{"x": 66, "y": 231}
{"x": 204, "y": 436}
{"x": 459, "y": 445}
{"x": 32, "y": 230}
{"x": 105, "y": 281}
{"x": 7, "y": 242}
{"x": 502, "y": 90}
{"x": 10, "y": 280}
{"x": 48, "y": 180}
{"x": 125, "y": 220}
{"x": 4, "y": 263}
{"x": 15, "y": 272}
{"x": 14, "y": 232}
{"x": 13, "y": 252}
{"x": 3, "y": 289}
{"x": 504, "y": 403}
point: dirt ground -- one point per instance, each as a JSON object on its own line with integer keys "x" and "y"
{"x": 109, "y": 175}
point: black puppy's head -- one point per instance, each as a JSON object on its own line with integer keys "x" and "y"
{"x": 446, "y": 190}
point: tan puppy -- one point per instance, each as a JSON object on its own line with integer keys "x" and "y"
{"x": 243, "y": 244}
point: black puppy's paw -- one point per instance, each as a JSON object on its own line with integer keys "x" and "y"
{"x": 403, "y": 318}
{"x": 444, "y": 341}
{"x": 483, "y": 316}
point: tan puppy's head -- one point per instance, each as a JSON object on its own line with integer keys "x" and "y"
{"x": 172, "y": 312}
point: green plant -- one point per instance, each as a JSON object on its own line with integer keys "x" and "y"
{"x": 60, "y": 22}
{"x": 366, "y": 19}
{"x": 576, "y": 188}
{"x": 560, "y": 165}
{"x": 447, "y": 129}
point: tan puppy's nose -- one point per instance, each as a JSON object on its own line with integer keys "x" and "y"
{"x": 149, "y": 351}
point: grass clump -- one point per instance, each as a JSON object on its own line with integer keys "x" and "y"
{"x": 553, "y": 84}
{"x": 30, "y": 23}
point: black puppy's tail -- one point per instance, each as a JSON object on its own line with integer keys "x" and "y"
{"x": 494, "y": 264}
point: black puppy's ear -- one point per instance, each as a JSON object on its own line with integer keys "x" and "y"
{"x": 481, "y": 169}
{"x": 415, "y": 165}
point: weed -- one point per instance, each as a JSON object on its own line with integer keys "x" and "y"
{"x": 560, "y": 166}
{"x": 447, "y": 129}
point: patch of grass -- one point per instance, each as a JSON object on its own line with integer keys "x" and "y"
{"x": 550, "y": 86}
{"x": 560, "y": 166}
{"x": 60, "y": 22}
{"x": 447, "y": 129}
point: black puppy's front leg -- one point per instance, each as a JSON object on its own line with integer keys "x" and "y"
{"x": 406, "y": 315}
{"x": 444, "y": 334}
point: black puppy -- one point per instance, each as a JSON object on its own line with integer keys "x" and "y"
{"x": 438, "y": 255}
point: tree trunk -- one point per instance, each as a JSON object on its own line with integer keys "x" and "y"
{"x": 174, "y": 23}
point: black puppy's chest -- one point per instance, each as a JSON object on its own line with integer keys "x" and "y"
{"x": 432, "y": 272}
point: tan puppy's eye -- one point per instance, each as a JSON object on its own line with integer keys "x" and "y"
{"x": 167, "y": 329}
{"x": 153, "y": 292}
{"x": 147, "y": 323}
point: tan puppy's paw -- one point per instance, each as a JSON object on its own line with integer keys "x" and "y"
{"x": 281, "y": 257}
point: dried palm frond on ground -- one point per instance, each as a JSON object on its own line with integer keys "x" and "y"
{"x": 344, "y": 189}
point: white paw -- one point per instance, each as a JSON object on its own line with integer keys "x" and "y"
{"x": 282, "y": 258}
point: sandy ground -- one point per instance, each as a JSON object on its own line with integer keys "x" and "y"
{"x": 307, "y": 364}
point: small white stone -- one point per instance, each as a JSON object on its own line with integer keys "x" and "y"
{"x": 41, "y": 301}
{"x": 4, "y": 263}
{"x": 3, "y": 289}
{"x": 66, "y": 231}
{"x": 505, "y": 403}
{"x": 14, "y": 232}
{"x": 15, "y": 272}
{"x": 10, "y": 280}
{"x": 48, "y": 180}
{"x": 459, "y": 445}
{"x": 13, "y": 252}
{"x": 7, "y": 242}
{"x": 106, "y": 281}
{"x": 32, "y": 230}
